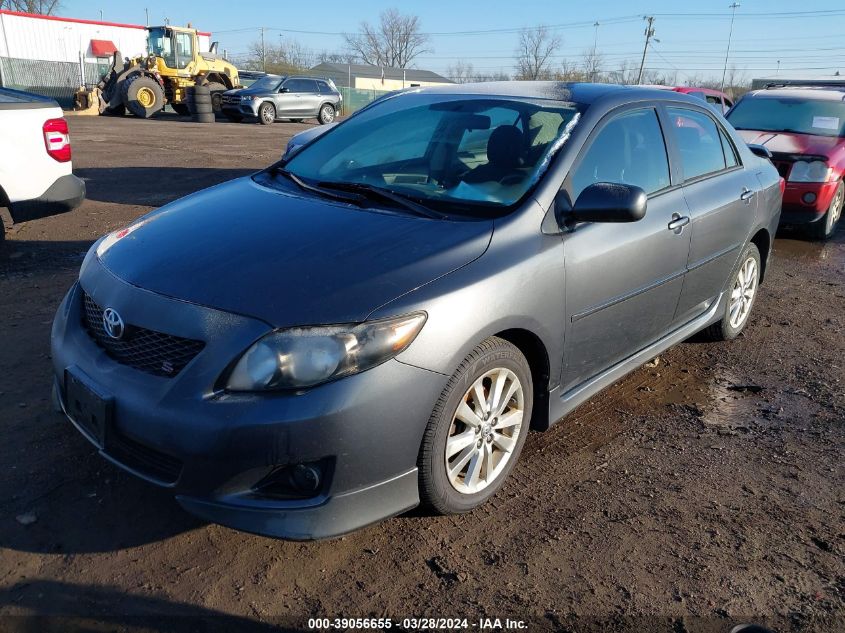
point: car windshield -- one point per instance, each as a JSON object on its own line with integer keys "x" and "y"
{"x": 802, "y": 116}
{"x": 159, "y": 42}
{"x": 266, "y": 84}
{"x": 449, "y": 152}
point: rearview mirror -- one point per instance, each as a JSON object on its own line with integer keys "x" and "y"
{"x": 607, "y": 202}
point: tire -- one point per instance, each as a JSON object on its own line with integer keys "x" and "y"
{"x": 205, "y": 117}
{"x": 202, "y": 108}
{"x": 326, "y": 114}
{"x": 826, "y": 227}
{"x": 494, "y": 357}
{"x": 118, "y": 110}
{"x": 267, "y": 113}
{"x": 216, "y": 89}
{"x": 727, "y": 327}
{"x": 181, "y": 109}
{"x": 235, "y": 118}
{"x": 148, "y": 91}
{"x": 199, "y": 91}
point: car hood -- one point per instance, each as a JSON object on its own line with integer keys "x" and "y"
{"x": 788, "y": 143}
{"x": 286, "y": 259}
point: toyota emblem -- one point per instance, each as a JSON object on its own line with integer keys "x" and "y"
{"x": 113, "y": 323}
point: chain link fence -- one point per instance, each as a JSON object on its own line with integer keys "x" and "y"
{"x": 58, "y": 80}
{"x": 356, "y": 98}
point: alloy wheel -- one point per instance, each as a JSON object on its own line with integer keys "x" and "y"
{"x": 484, "y": 431}
{"x": 742, "y": 295}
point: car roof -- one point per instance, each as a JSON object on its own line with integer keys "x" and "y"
{"x": 583, "y": 93}
{"x": 817, "y": 93}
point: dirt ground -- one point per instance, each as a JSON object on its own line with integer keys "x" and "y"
{"x": 700, "y": 492}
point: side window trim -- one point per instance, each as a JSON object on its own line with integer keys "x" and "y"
{"x": 601, "y": 125}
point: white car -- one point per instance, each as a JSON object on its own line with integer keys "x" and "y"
{"x": 36, "y": 178}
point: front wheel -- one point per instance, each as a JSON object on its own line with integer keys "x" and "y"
{"x": 266, "y": 113}
{"x": 477, "y": 428}
{"x": 825, "y": 228}
{"x": 743, "y": 291}
{"x": 326, "y": 114}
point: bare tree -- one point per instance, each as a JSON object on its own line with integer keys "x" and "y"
{"x": 461, "y": 72}
{"x": 534, "y": 51}
{"x": 570, "y": 71}
{"x": 395, "y": 41}
{"x": 289, "y": 56}
{"x": 42, "y": 7}
{"x": 347, "y": 57}
{"x": 593, "y": 64}
{"x": 626, "y": 73}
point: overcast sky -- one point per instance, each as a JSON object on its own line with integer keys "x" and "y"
{"x": 692, "y": 35}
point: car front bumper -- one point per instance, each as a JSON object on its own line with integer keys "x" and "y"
{"x": 365, "y": 429}
{"x": 65, "y": 194}
{"x": 806, "y": 202}
{"x": 244, "y": 108}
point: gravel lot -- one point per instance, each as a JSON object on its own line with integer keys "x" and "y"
{"x": 702, "y": 491}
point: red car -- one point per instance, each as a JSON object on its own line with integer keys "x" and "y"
{"x": 804, "y": 128}
{"x": 718, "y": 100}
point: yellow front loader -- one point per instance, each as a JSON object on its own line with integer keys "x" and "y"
{"x": 144, "y": 85}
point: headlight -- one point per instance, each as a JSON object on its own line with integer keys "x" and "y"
{"x": 303, "y": 357}
{"x": 806, "y": 171}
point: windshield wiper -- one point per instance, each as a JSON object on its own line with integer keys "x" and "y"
{"x": 402, "y": 200}
{"x": 299, "y": 182}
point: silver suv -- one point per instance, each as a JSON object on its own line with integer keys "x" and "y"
{"x": 274, "y": 97}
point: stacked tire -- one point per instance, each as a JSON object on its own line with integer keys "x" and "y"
{"x": 199, "y": 103}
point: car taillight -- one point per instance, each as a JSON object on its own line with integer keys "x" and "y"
{"x": 782, "y": 185}
{"x": 57, "y": 140}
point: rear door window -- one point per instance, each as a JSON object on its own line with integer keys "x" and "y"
{"x": 699, "y": 142}
{"x": 630, "y": 150}
{"x": 324, "y": 88}
{"x": 301, "y": 85}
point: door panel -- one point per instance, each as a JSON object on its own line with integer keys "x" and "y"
{"x": 623, "y": 281}
{"x": 722, "y": 201}
{"x": 721, "y": 221}
{"x": 622, "y": 286}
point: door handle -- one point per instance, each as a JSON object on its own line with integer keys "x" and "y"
{"x": 678, "y": 222}
{"x": 746, "y": 195}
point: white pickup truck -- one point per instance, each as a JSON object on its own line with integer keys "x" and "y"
{"x": 36, "y": 178}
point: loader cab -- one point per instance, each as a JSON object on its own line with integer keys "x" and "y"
{"x": 177, "y": 48}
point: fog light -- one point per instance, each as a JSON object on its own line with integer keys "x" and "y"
{"x": 295, "y": 481}
{"x": 306, "y": 478}
{"x": 809, "y": 197}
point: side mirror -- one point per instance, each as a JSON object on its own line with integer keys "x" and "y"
{"x": 283, "y": 89}
{"x": 605, "y": 202}
{"x": 760, "y": 150}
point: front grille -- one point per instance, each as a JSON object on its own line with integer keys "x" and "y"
{"x": 146, "y": 350}
{"x": 230, "y": 99}
{"x": 783, "y": 167}
{"x": 145, "y": 460}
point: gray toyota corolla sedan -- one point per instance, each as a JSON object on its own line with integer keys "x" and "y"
{"x": 380, "y": 319}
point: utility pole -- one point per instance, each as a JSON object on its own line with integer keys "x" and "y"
{"x": 777, "y": 72}
{"x": 649, "y": 33}
{"x": 733, "y": 9}
{"x": 596, "y": 36}
{"x": 263, "y": 52}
